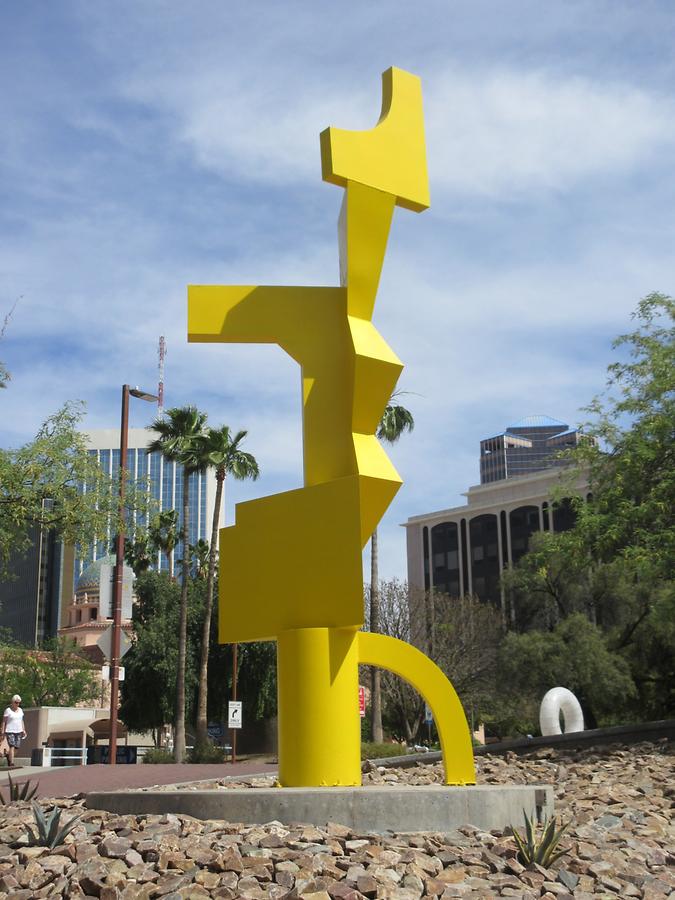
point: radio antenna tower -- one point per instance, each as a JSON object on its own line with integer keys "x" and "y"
{"x": 160, "y": 392}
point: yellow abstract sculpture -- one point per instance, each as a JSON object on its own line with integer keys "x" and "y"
{"x": 308, "y": 594}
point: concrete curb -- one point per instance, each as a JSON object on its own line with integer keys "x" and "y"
{"x": 617, "y": 734}
{"x": 363, "y": 809}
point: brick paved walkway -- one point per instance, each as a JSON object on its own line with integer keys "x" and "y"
{"x": 68, "y": 780}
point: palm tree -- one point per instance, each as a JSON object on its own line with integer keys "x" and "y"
{"x": 221, "y": 452}
{"x": 138, "y": 553}
{"x": 200, "y": 554}
{"x": 395, "y": 420}
{"x": 178, "y": 434}
{"x": 163, "y": 530}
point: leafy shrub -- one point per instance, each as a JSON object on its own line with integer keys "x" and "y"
{"x": 157, "y": 756}
{"x": 48, "y": 833}
{"x": 207, "y": 753}
{"x": 372, "y": 750}
{"x": 18, "y": 792}
{"x": 537, "y": 848}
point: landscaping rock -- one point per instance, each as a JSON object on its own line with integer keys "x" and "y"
{"x": 620, "y": 802}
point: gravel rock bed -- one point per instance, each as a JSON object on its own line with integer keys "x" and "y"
{"x": 621, "y": 844}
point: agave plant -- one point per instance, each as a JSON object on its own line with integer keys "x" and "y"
{"x": 48, "y": 832}
{"x": 539, "y": 848}
{"x": 18, "y": 792}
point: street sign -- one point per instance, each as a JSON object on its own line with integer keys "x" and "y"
{"x": 234, "y": 714}
{"x": 105, "y": 673}
{"x": 105, "y": 642}
{"x": 362, "y": 701}
{"x": 428, "y": 715}
{"x": 105, "y": 591}
{"x": 215, "y": 730}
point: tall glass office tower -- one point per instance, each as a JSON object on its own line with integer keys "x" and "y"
{"x": 527, "y": 447}
{"x": 165, "y": 487}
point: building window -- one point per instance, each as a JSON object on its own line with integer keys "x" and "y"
{"x": 485, "y": 568}
{"x": 564, "y": 516}
{"x": 524, "y": 522}
{"x": 504, "y": 540}
{"x": 445, "y": 555}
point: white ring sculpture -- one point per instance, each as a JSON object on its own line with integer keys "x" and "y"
{"x": 560, "y": 700}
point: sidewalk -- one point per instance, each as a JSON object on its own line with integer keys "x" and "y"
{"x": 65, "y": 781}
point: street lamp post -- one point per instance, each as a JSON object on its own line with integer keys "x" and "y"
{"x": 119, "y": 570}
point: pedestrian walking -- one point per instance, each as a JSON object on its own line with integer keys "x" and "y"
{"x": 13, "y": 729}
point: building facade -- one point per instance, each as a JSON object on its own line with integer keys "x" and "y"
{"x": 40, "y": 596}
{"x": 85, "y": 619}
{"x": 164, "y": 485}
{"x": 465, "y": 550}
{"x": 527, "y": 447}
{"x": 37, "y": 588}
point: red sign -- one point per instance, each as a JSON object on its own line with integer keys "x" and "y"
{"x": 362, "y": 701}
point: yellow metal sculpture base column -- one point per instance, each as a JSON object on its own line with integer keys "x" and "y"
{"x": 319, "y": 724}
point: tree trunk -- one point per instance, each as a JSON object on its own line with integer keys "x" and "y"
{"x": 179, "y": 745}
{"x": 377, "y": 733}
{"x": 202, "y": 718}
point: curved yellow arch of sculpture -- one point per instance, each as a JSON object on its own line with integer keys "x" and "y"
{"x": 425, "y": 676}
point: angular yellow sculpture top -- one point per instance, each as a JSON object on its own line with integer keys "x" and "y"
{"x": 390, "y": 157}
{"x": 290, "y": 568}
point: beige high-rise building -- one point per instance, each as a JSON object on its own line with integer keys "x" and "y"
{"x": 465, "y": 549}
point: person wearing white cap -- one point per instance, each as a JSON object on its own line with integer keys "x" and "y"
{"x": 13, "y": 728}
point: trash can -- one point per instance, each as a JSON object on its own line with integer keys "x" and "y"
{"x": 37, "y": 756}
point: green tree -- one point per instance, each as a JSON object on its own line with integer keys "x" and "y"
{"x": 178, "y": 435}
{"x": 138, "y": 552}
{"x": 461, "y": 635}
{"x": 40, "y": 485}
{"x": 574, "y": 655}
{"x": 199, "y": 558}
{"x": 615, "y": 565}
{"x": 557, "y": 578}
{"x": 395, "y": 421}
{"x": 4, "y": 372}
{"x": 56, "y": 675}
{"x": 148, "y": 693}
{"x": 632, "y": 461}
{"x": 222, "y": 452}
{"x": 163, "y": 533}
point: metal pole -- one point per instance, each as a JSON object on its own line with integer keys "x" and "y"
{"x": 117, "y": 584}
{"x": 234, "y": 697}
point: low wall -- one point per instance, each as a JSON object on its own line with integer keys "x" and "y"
{"x": 617, "y": 734}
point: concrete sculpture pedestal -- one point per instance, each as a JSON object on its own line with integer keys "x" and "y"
{"x": 363, "y": 809}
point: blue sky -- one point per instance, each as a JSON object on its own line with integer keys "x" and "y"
{"x": 148, "y": 145}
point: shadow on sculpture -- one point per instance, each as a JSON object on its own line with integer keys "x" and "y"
{"x": 308, "y": 594}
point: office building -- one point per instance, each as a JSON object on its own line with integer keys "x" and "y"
{"x": 465, "y": 549}
{"x": 37, "y": 588}
{"x": 164, "y": 486}
{"x": 528, "y": 446}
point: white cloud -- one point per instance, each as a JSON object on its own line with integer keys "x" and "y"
{"x": 506, "y": 131}
{"x": 497, "y": 132}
